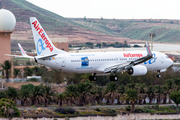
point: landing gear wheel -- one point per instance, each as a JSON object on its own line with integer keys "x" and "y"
{"x": 92, "y": 78}
{"x": 159, "y": 76}
{"x": 113, "y": 78}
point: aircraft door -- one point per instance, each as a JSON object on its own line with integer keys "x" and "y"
{"x": 162, "y": 59}
{"x": 63, "y": 62}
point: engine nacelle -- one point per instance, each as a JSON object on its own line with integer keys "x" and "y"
{"x": 137, "y": 70}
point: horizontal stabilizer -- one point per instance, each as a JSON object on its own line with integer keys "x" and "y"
{"x": 20, "y": 56}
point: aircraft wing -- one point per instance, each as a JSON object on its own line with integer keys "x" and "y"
{"x": 127, "y": 65}
{"x": 45, "y": 57}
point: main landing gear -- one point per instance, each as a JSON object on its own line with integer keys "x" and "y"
{"x": 92, "y": 78}
{"x": 159, "y": 74}
{"x": 113, "y": 78}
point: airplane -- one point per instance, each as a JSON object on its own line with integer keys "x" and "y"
{"x": 135, "y": 63}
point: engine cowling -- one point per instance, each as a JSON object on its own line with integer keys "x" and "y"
{"x": 137, "y": 70}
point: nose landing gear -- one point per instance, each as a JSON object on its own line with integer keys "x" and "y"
{"x": 159, "y": 74}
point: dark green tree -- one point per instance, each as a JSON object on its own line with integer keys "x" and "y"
{"x": 37, "y": 95}
{"x": 25, "y": 93}
{"x": 71, "y": 92}
{"x": 131, "y": 96}
{"x": 112, "y": 92}
{"x": 169, "y": 84}
{"x": 28, "y": 72}
{"x": 49, "y": 93}
{"x": 12, "y": 93}
{"x": 84, "y": 90}
{"x": 175, "y": 96}
{"x": 2, "y": 94}
{"x": 6, "y": 65}
{"x": 61, "y": 97}
{"x": 150, "y": 93}
{"x": 16, "y": 72}
{"x": 37, "y": 71}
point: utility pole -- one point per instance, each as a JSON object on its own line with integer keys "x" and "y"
{"x": 152, "y": 35}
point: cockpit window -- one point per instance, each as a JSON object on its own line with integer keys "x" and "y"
{"x": 166, "y": 56}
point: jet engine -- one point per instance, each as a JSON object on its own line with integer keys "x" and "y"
{"x": 137, "y": 70}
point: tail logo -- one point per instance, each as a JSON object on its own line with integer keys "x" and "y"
{"x": 85, "y": 62}
{"x": 43, "y": 36}
{"x": 152, "y": 60}
{"x": 40, "y": 46}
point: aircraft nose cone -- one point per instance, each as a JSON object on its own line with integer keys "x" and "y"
{"x": 171, "y": 62}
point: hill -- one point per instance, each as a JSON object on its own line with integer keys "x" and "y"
{"x": 86, "y": 30}
{"x": 165, "y": 30}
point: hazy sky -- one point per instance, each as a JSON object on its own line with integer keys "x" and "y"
{"x": 119, "y": 9}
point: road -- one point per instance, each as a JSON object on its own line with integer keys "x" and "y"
{"x": 78, "y": 107}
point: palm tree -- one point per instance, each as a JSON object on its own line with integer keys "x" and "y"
{"x": 6, "y": 65}
{"x": 3, "y": 94}
{"x": 112, "y": 92}
{"x": 16, "y": 72}
{"x": 25, "y": 92}
{"x": 28, "y": 72}
{"x": 121, "y": 90}
{"x": 37, "y": 95}
{"x": 169, "y": 84}
{"x": 141, "y": 92}
{"x": 131, "y": 96}
{"x": 61, "y": 97}
{"x": 84, "y": 90}
{"x": 99, "y": 94}
{"x": 150, "y": 93}
{"x": 177, "y": 83}
{"x": 158, "y": 93}
{"x": 12, "y": 93}
{"x": 71, "y": 92}
{"x": 164, "y": 93}
{"x": 49, "y": 93}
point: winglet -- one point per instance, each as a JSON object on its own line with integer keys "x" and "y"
{"x": 148, "y": 49}
{"x": 22, "y": 50}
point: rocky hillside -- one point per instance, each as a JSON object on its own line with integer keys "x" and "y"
{"x": 87, "y": 30}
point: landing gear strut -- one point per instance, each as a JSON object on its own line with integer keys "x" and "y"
{"x": 92, "y": 77}
{"x": 159, "y": 74}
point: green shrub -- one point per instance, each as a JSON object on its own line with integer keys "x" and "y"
{"x": 128, "y": 108}
{"x": 146, "y": 110}
{"x": 32, "y": 80}
{"x": 8, "y": 108}
{"x": 108, "y": 111}
{"x": 157, "y": 106}
{"x": 139, "y": 109}
{"x": 97, "y": 109}
{"x": 65, "y": 110}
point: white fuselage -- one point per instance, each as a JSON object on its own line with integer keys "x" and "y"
{"x": 97, "y": 62}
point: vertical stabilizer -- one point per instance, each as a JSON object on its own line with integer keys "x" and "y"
{"x": 42, "y": 42}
